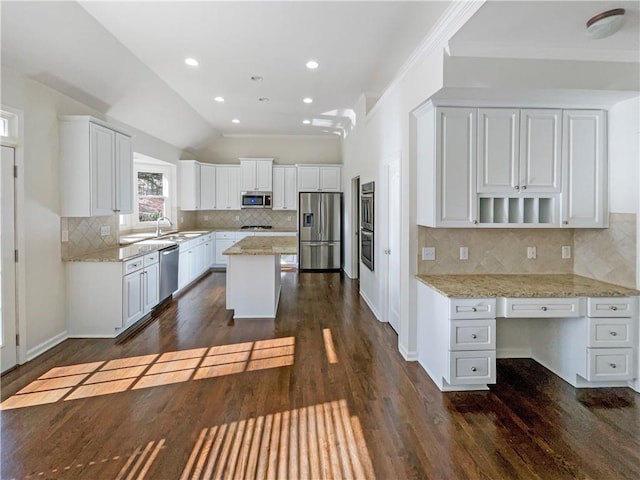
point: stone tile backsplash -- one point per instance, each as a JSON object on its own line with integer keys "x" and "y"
{"x": 85, "y": 234}
{"x": 227, "y": 219}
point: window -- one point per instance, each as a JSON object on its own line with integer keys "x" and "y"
{"x": 153, "y": 189}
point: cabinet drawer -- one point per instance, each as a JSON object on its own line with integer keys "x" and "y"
{"x": 229, "y": 235}
{"x": 605, "y": 364}
{"x": 610, "y": 332}
{"x": 471, "y": 368}
{"x": 472, "y": 308}
{"x": 472, "y": 335}
{"x": 541, "y": 307}
{"x": 612, "y": 307}
{"x": 151, "y": 258}
{"x": 132, "y": 265}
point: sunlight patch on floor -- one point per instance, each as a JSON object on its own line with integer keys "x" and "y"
{"x": 319, "y": 441}
{"x": 133, "y": 373}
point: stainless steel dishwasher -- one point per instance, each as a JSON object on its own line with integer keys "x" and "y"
{"x": 168, "y": 271}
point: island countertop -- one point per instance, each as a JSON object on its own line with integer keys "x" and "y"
{"x": 276, "y": 245}
{"x": 523, "y": 286}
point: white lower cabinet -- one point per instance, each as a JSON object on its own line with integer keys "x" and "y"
{"x": 140, "y": 288}
{"x": 196, "y": 258}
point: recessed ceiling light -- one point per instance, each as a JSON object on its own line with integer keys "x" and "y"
{"x": 192, "y": 62}
{"x": 235, "y": 120}
{"x": 306, "y": 122}
{"x": 307, "y": 100}
{"x": 312, "y": 64}
{"x": 263, "y": 99}
{"x": 257, "y": 78}
{"x": 219, "y": 99}
{"x": 336, "y": 133}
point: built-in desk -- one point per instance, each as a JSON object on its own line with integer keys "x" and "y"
{"x": 583, "y": 330}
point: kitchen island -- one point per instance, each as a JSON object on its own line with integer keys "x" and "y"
{"x": 253, "y": 275}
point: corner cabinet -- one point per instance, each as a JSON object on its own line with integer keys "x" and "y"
{"x": 285, "y": 192}
{"x": 526, "y": 168}
{"x": 96, "y": 168}
{"x": 446, "y": 154}
{"x": 320, "y": 178}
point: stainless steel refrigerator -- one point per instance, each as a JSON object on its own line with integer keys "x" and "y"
{"x": 320, "y": 244}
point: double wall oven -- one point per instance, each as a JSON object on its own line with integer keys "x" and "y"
{"x": 367, "y": 224}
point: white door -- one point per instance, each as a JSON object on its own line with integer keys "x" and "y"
{"x": 207, "y": 187}
{"x": 393, "y": 245}
{"x": 124, "y": 174}
{"x": 151, "y": 286}
{"x": 308, "y": 179}
{"x": 290, "y": 189}
{"x": 7, "y": 264}
{"x": 278, "y": 199}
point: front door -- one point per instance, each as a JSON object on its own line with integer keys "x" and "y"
{"x": 7, "y": 264}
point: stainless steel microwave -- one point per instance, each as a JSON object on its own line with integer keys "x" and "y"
{"x": 256, "y": 200}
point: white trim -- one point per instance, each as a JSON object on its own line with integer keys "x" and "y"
{"x": 409, "y": 356}
{"x": 454, "y": 17}
{"x": 46, "y": 345}
{"x": 514, "y": 353}
{"x": 370, "y": 305}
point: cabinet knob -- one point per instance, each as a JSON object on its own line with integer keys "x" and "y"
{"x": 612, "y": 365}
{"x": 517, "y": 187}
{"x": 474, "y": 336}
{"x": 566, "y": 222}
{"x": 613, "y": 334}
{"x": 524, "y": 187}
{"x": 544, "y": 309}
{"x": 614, "y": 308}
{"x": 474, "y": 309}
{"x": 473, "y": 369}
{"x": 475, "y": 222}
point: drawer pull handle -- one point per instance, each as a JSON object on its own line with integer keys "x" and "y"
{"x": 473, "y": 369}
{"x": 613, "y": 334}
{"x": 474, "y": 309}
{"x": 474, "y": 336}
{"x": 544, "y": 309}
{"x": 614, "y": 308}
{"x": 612, "y": 365}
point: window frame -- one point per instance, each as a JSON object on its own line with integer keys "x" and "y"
{"x": 132, "y": 220}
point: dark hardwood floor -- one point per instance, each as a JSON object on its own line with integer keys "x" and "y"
{"x": 320, "y": 392}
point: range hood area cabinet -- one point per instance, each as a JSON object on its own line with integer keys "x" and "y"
{"x": 256, "y": 174}
{"x": 509, "y": 167}
{"x": 96, "y": 168}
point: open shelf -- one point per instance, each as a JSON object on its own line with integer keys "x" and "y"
{"x": 522, "y": 211}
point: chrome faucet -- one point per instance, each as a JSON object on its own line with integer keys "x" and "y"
{"x": 158, "y": 231}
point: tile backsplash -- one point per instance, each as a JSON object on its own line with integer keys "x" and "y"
{"x": 238, "y": 218}
{"x": 494, "y": 250}
{"x": 85, "y": 234}
{"x": 608, "y": 254}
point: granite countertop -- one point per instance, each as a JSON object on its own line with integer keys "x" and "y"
{"x": 264, "y": 246}
{"x": 136, "y": 237}
{"x": 523, "y": 286}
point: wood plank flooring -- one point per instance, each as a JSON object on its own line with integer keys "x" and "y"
{"x": 319, "y": 392}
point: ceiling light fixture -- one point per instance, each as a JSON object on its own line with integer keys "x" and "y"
{"x": 306, "y": 122}
{"x": 256, "y": 78}
{"x": 235, "y": 120}
{"x": 312, "y": 64}
{"x": 605, "y": 24}
{"x": 307, "y": 100}
{"x": 192, "y": 62}
{"x": 219, "y": 99}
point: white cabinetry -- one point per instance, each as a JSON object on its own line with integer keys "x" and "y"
{"x": 96, "y": 168}
{"x": 320, "y": 178}
{"x": 584, "y": 150}
{"x": 446, "y": 153}
{"x": 207, "y": 187}
{"x": 228, "y": 187}
{"x": 256, "y": 174}
{"x": 140, "y": 287}
{"x": 190, "y": 185}
{"x": 498, "y": 150}
{"x": 285, "y": 192}
{"x": 196, "y": 258}
{"x": 540, "y": 150}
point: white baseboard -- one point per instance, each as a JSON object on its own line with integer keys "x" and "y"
{"x": 46, "y": 345}
{"x": 409, "y": 356}
{"x": 370, "y": 305}
{"x": 514, "y": 353}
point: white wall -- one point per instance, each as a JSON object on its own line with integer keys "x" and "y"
{"x": 624, "y": 156}
{"x": 285, "y": 149}
{"x": 44, "y": 309}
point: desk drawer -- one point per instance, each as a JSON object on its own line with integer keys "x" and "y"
{"x": 610, "y": 332}
{"x": 472, "y": 308}
{"x": 611, "y": 307}
{"x": 541, "y": 307}
{"x": 468, "y": 368}
{"x": 472, "y": 334}
{"x": 609, "y": 364}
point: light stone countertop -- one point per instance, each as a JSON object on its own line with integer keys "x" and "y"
{"x": 275, "y": 245}
{"x": 523, "y": 286}
{"x": 119, "y": 254}
{"x": 136, "y": 237}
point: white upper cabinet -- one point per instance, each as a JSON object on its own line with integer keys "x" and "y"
{"x": 207, "y": 186}
{"x": 228, "y": 189}
{"x": 256, "y": 174}
{"x": 540, "y": 151}
{"x": 190, "y": 184}
{"x": 320, "y": 178}
{"x": 584, "y": 150}
{"x": 519, "y": 151}
{"x": 96, "y": 168}
{"x": 285, "y": 192}
{"x": 446, "y": 154}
